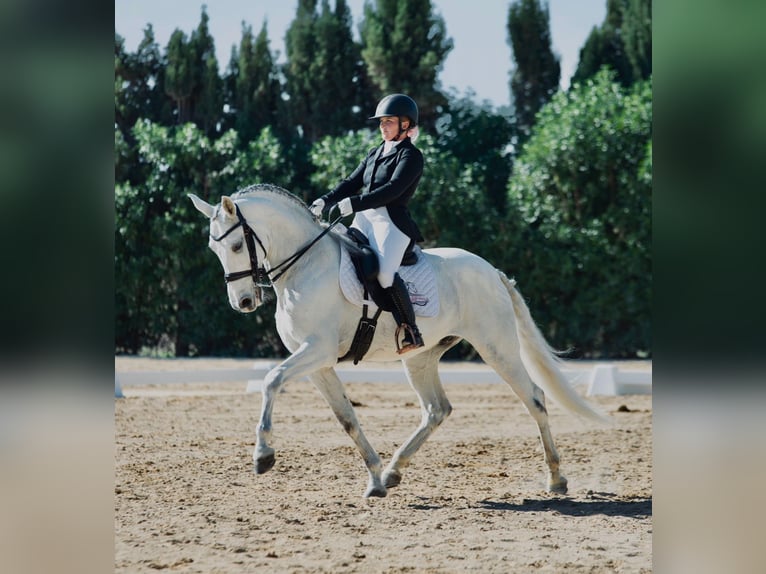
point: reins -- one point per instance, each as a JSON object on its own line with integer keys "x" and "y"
{"x": 259, "y": 273}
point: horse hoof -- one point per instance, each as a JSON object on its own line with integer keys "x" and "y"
{"x": 558, "y": 487}
{"x": 376, "y": 491}
{"x": 264, "y": 464}
{"x": 392, "y": 479}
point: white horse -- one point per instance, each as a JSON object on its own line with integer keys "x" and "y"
{"x": 317, "y": 325}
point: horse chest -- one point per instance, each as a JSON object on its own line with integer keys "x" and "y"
{"x": 297, "y": 317}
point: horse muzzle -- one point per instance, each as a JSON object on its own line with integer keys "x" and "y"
{"x": 249, "y": 302}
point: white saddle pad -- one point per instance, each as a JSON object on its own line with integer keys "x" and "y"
{"x": 419, "y": 278}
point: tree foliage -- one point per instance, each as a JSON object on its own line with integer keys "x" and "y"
{"x": 326, "y": 81}
{"x": 581, "y": 190}
{"x": 179, "y": 75}
{"x": 637, "y": 37}
{"x": 537, "y": 72}
{"x": 169, "y": 291}
{"x": 622, "y": 43}
{"x": 479, "y": 138}
{"x": 207, "y": 90}
{"x": 138, "y": 79}
{"x": 256, "y": 93}
{"x": 345, "y": 96}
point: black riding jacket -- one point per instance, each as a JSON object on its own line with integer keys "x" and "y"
{"x": 385, "y": 180}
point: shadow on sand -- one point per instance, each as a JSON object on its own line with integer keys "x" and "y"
{"x": 604, "y": 503}
{"x": 599, "y": 503}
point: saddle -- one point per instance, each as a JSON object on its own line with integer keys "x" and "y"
{"x": 366, "y": 264}
{"x": 366, "y": 267}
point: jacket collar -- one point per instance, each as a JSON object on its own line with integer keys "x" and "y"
{"x": 394, "y": 148}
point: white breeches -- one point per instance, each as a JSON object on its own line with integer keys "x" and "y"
{"x": 386, "y": 239}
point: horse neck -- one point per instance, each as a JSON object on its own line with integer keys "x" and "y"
{"x": 283, "y": 229}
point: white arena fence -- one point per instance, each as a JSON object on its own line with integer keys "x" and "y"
{"x": 601, "y": 378}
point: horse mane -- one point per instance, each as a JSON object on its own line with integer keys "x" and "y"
{"x": 269, "y": 188}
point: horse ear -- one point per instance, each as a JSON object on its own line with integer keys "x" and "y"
{"x": 201, "y": 205}
{"x": 228, "y": 206}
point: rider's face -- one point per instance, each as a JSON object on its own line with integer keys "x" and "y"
{"x": 389, "y": 127}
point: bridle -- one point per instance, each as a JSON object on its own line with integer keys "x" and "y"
{"x": 261, "y": 276}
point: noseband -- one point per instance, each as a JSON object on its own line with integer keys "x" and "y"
{"x": 261, "y": 277}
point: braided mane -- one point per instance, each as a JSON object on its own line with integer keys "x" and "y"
{"x": 269, "y": 188}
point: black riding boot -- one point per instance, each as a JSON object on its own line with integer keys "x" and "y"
{"x": 404, "y": 316}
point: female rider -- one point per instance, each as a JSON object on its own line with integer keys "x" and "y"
{"x": 387, "y": 179}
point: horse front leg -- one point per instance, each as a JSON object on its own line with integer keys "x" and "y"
{"x": 306, "y": 359}
{"x": 331, "y": 387}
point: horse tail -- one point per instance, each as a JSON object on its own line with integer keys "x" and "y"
{"x": 541, "y": 361}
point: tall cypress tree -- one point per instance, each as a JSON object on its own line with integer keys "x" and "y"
{"x": 339, "y": 73}
{"x": 325, "y": 76}
{"x": 637, "y": 37}
{"x": 207, "y": 90}
{"x": 301, "y": 48}
{"x": 179, "y": 77}
{"x": 404, "y": 45}
{"x": 622, "y": 43}
{"x": 230, "y": 89}
{"x": 138, "y": 77}
{"x": 536, "y": 76}
{"x": 257, "y": 92}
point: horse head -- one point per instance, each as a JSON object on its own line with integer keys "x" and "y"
{"x": 242, "y": 229}
{"x": 235, "y": 245}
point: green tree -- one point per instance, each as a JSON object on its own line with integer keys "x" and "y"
{"x": 537, "y": 70}
{"x": 333, "y": 158}
{"x": 622, "y": 43}
{"x": 179, "y": 75}
{"x": 581, "y": 197}
{"x": 168, "y": 285}
{"x": 207, "y": 91}
{"x": 404, "y": 45}
{"x": 637, "y": 37}
{"x": 478, "y": 137}
{"x": 325, "y": 77}
{"x": 344, "y": 99}
{"x": 137, "y": 82}
{"x": 256, "y": 90}
{"x": 301, "y": 83}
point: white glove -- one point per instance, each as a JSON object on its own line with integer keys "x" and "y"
{"x": 345, "y": 207}
{"x": 317, "y": 207}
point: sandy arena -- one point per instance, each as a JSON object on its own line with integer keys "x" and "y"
{"x": 472, "y": 500}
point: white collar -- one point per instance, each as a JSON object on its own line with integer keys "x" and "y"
{"x": 389, "y": 145}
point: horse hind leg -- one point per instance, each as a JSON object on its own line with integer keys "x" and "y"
{"x": 423, "y": 374}
{"x": 507, "y": 363}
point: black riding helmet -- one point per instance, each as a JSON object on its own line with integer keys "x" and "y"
{"x": 397, "y": 105}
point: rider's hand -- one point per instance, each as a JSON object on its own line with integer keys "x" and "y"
{"x": 317, "y": 207}
{"x": 345, "y": 207}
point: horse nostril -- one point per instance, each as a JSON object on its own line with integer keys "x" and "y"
{"x": 245, "y": 303}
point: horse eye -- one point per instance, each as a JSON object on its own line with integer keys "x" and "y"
{"x": 237, "y": 247}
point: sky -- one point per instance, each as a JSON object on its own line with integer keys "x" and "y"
{"x": 479, "y": 63}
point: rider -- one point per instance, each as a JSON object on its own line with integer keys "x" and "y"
{"x": 387, "y": 179}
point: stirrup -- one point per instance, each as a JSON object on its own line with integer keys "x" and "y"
{"x": 416, "y": 339}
